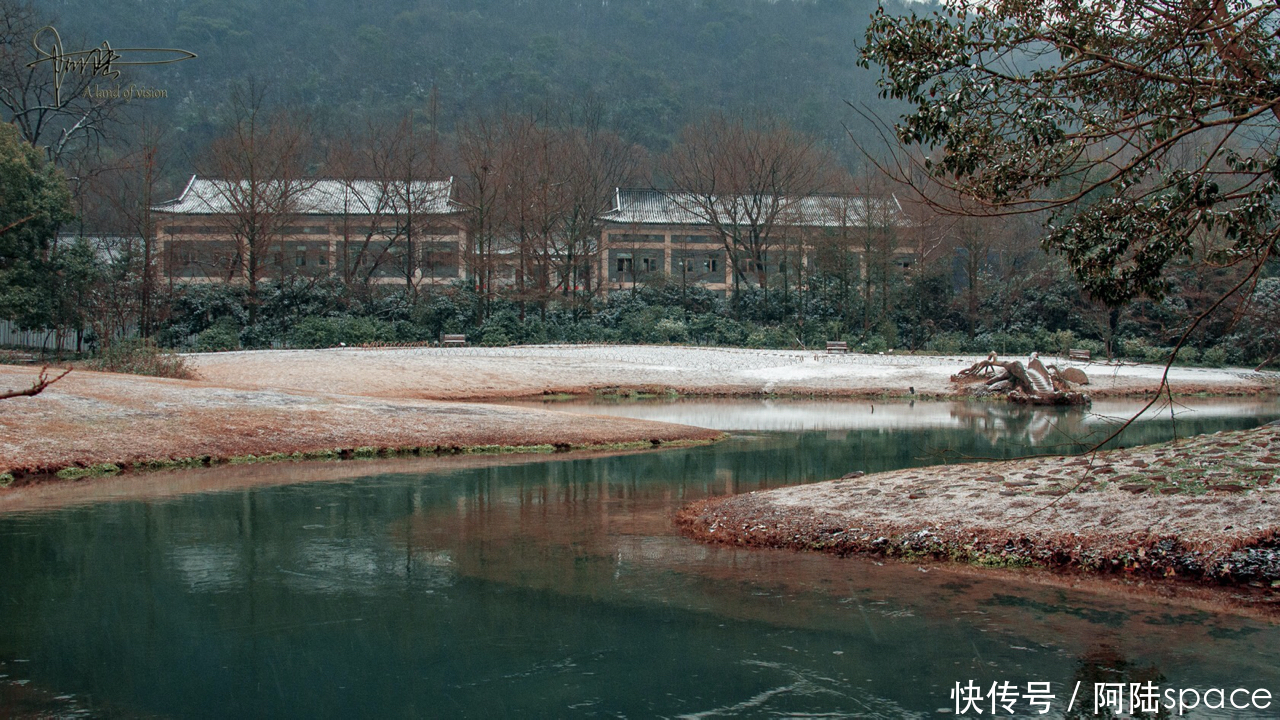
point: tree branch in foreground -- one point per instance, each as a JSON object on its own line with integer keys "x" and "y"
{"x": 41, "y": 383}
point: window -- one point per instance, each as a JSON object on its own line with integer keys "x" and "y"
{"x": 649, "y": 264}
{"x": 193, "y": 229}
{"x": 687, "y": 265}
{"x": 712, "y": 265}
{"x": 629, "y": 239}
{"x": 624, "y": 265}
{"x": 323, "y": 259}
{"x": 300, "y": 259}
{"x": 440, "y": 260}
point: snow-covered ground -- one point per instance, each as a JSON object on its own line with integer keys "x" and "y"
{"x": 473, "y": 372}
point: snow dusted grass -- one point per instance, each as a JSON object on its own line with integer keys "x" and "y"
{"x": 94, "y": 424}
{"x": 492, "y": 373}
{"x": 1205, "y": 508}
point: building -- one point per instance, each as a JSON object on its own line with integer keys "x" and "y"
{"x": 386, "y": 232}
{"x": 363, "y": 230}
{"x": 687, "y": 237}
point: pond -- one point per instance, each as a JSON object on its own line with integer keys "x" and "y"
{"x": 556, "y": 586}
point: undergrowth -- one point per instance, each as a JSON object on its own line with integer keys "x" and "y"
{"x": 141, "y": 357}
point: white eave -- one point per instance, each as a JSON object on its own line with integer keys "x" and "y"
{"x": 203, "y": 196}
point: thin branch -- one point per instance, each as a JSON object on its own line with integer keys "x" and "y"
{"x": 38, "y": 387}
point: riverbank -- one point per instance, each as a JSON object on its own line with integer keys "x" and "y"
{"x": 1205, "y": 508}
{"x": 478, "y": 373}
{"x": 349, "y": 402}
{"x": 92, "y": 423}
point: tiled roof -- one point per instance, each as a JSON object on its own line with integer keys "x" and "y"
{"x": 660, "y": 207}
{"x": 319, "y": 197}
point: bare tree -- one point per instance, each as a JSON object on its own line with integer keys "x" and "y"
{"x": 482, "y": 163}
{"x": 388, "y": 175}
{"x": 405, "y": 164}
{"x": 124, "y": 195}
{"x": 362, "y": 254}
{"x": 258, "y": 168}
{"x": 530, "y": 202}
{"x": 50, "y": 110}
{"x": 534, "y": 194}
{"x": 595, "y": 162}
{"x": 745, "y": 182}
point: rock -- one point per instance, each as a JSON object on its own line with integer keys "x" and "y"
{"x": 852, "y": 475}
{"x": 1075, "y": 376}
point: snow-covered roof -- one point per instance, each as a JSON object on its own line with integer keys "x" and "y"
{"x": 204, "y": 196}
{"x": 662, "y": 207}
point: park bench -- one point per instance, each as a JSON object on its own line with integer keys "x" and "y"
{"x": 15, "y": 357}
{"x": 837, "y": 346}
{"x": 1081, "y": 355}
{"x": 446, "y": 340}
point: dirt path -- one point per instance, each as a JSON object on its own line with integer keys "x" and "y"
{"x": 1206, "y": 508}
{"x": 491, "y": 373}
{"x": 93, "y": 418}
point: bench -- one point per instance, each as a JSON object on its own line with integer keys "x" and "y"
{"x": 837, "y": 346}
{"x": 453, "y": 339}
{"x": 1081, "y": 355}
{"x": 15, "y": 357}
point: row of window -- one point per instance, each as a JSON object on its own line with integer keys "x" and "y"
{"x": 626, "y": 264}
{"x": 216, "y": 258}
{"x": 182, "y": 230}
{"x": 636, "y": 239}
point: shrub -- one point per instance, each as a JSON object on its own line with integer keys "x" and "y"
{"x": 714, "y": 329}
{"x": 315, "y": 332}
{"x": 668, "y": 330}
{"x": 1060, "y": 343}
{"x": 949, "y": 343}
{"x": 1096, "y": 348}
{"x": 224, "y": 335}
{"x": 873, "y": 344}
{"x": 141, "y": 357}
{"x": 495, "y": 336}
{"x": 1215, "y": 356}
{"x": 1134, "y": 349}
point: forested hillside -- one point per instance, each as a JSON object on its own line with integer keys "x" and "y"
{"x": 648, "y": 66}
{"x": 539, "y": 109}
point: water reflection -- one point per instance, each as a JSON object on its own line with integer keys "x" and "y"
{"x": 554, "y": 589}
{"x": 997, "y": 419}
